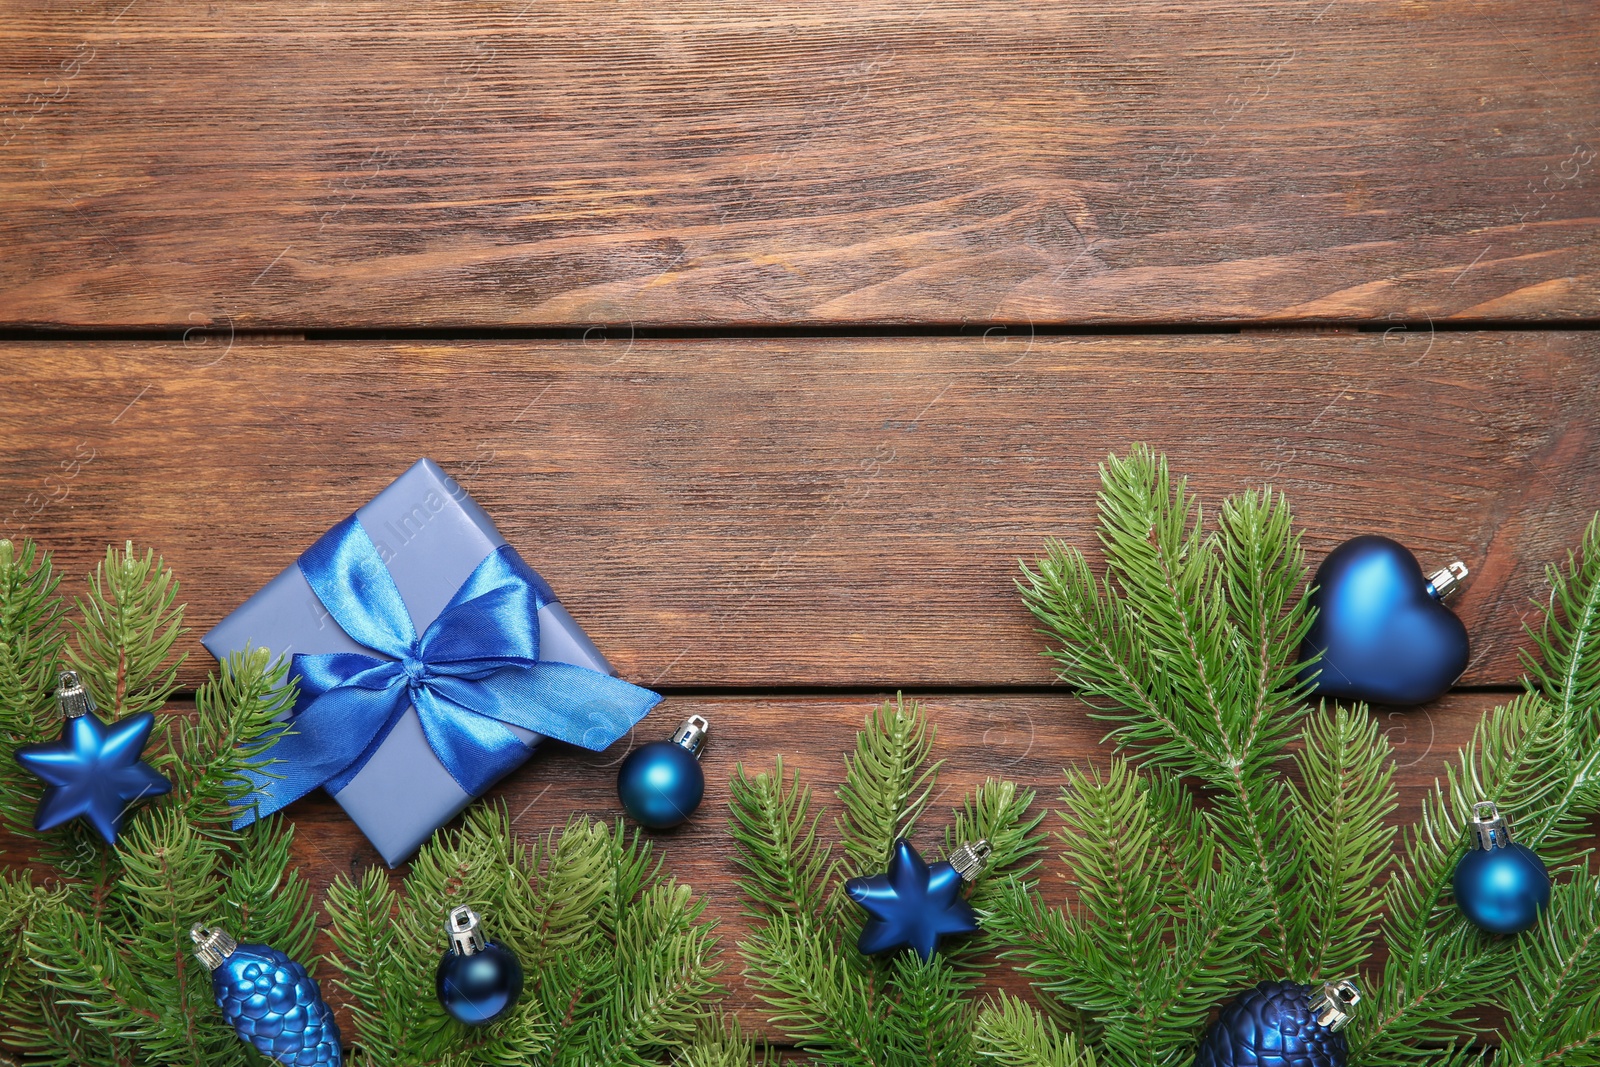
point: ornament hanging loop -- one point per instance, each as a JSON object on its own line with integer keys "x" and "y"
{"x": 71, "y": 696}
{"x": 212, "y": 944}
{"x": 691, "y": 734}
{"x": 466, "y": 932}
{"x": 1335, "y": 1003}
{"x": 970, "y": 859}
{"x": 1446, "y": 581}
{"x": 1491, "y": 830}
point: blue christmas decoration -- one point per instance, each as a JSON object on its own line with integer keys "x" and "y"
{"x": 915, "y": 905}
{"x": 1500, "y": 886}
{"x": 1382, "y": 627}
{"x": 1281, "y": 1024}
{"x": 269, "y": 1000}
{"x": 477, "y": 981}
{"x": 661, "y": 784}
{"x": 93, "y": 769}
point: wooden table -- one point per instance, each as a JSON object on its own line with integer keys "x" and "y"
{"x": 774, "y": 335}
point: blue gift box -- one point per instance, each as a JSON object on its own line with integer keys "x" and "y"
{"x": 432, "y": 537}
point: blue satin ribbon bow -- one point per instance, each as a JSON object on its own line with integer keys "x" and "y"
{"x": 474, "y": 670}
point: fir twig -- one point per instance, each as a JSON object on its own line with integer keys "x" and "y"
{"x": 618, "y": 962}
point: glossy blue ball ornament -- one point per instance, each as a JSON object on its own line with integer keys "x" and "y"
{"x": 93, "y": 771}
{"x": 1281, "y": 1024}
{"x": 477, "y": 981}
{"x": 661, "y": 784}
{"x": 269, "y": 1000}
{"x": 1382, "y": 627}
{"x": 1500, "y": 886}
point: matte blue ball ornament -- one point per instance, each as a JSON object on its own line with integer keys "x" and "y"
{"x": 478, "y": 980}
{"x": 1382, "y": 627}
{"x": 1500, "y": 886}
{"x": 661, "y": 783}
{"x": 1282, "y": 1024}
{"x": 269, "y": 1000}
{"x": 93, "y": 769}
{"x": 915, "y": 905}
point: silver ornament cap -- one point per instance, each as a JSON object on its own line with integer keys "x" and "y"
{"x": 1446, "y": 581}
{"x": 212, "y": 944}
{"x": 71, "y": 696}
{"x": 466, "y": 931}
{"x": 691, "y": 734}
{"x": 1335, "y": 1003}
{"x": 970, "y": 859}
{"x": 1490, "y": 829}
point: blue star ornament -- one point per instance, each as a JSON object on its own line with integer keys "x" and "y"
{"x": 914, "y": 905}
{"x": 94, "y": 770}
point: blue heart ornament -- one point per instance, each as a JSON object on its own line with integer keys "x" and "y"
{"x": 1382, "y": 627}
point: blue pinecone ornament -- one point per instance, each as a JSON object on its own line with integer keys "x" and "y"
{"x": 1281, "y": 1024}
{"x": 269, "y": 1000}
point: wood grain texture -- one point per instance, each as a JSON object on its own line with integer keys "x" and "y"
{"x": 808, "y": 512}
{"x": 374, "y": 163}
{"x": 1025, "y": 739}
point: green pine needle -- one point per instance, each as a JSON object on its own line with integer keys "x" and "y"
{"x": 31, "y": 642}
{"x": 887, "y": 783}
{"x": 1010, "y": 1034}
{"x": 1341, "y": 810}
{"x": 124, "y": 635}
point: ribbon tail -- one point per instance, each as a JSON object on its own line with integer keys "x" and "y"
{"x": 320, "y": 743}
{"x": 270, "y": 793}
{"x": 476, "y": 749}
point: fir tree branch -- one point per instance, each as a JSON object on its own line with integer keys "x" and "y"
{"x": 819, "y": 1001}
{"x": 1441, "y": 970}
{"x": 619, "y": 964}
{"x": 1267, "y": 600}
{"x": 362, "y": 926}
{"x": 31, "y": 641}
{"x": 1203, "y": 635}
{"x": 1100, "y": 652}
{"x": 999, "y": 812}
{"x": 1555, "y": 996}
{"x": 1011, "y": 1034}
{"x": 666, "y": 966}
{"x": 1341, "y": 829}
{"x": 775, "y": 830}
{"x": 1154, "y": 942}
{"x": 720, "y": 1043}
{"x": 887, "y": 782}
{"x": 125, "y": 633}
{"x": 1564, "y": 663}
{"x": 232, "y": 731}
{"x": 931, "y": 1019}
{"x": 1564, "y": 666}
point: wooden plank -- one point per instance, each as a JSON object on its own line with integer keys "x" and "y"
{"x": 931, "y": 161}
{"x": 806, "y": 512}
{"x": 1026, "y": 739}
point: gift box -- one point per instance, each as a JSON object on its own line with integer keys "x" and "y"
{"x": 431, "y": 659}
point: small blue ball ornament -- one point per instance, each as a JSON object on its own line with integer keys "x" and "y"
{"x": 1500, "y": 886}
{"x": 269, "y": 1000}
{"x": 1382, "y": 628}
{"x": 915, "y": 904}
{"x": 1282, "y": 1024}
{"x": 93, "y": 770}
{"x": 661, "y": 784}
{"x": 478, "y": 980}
